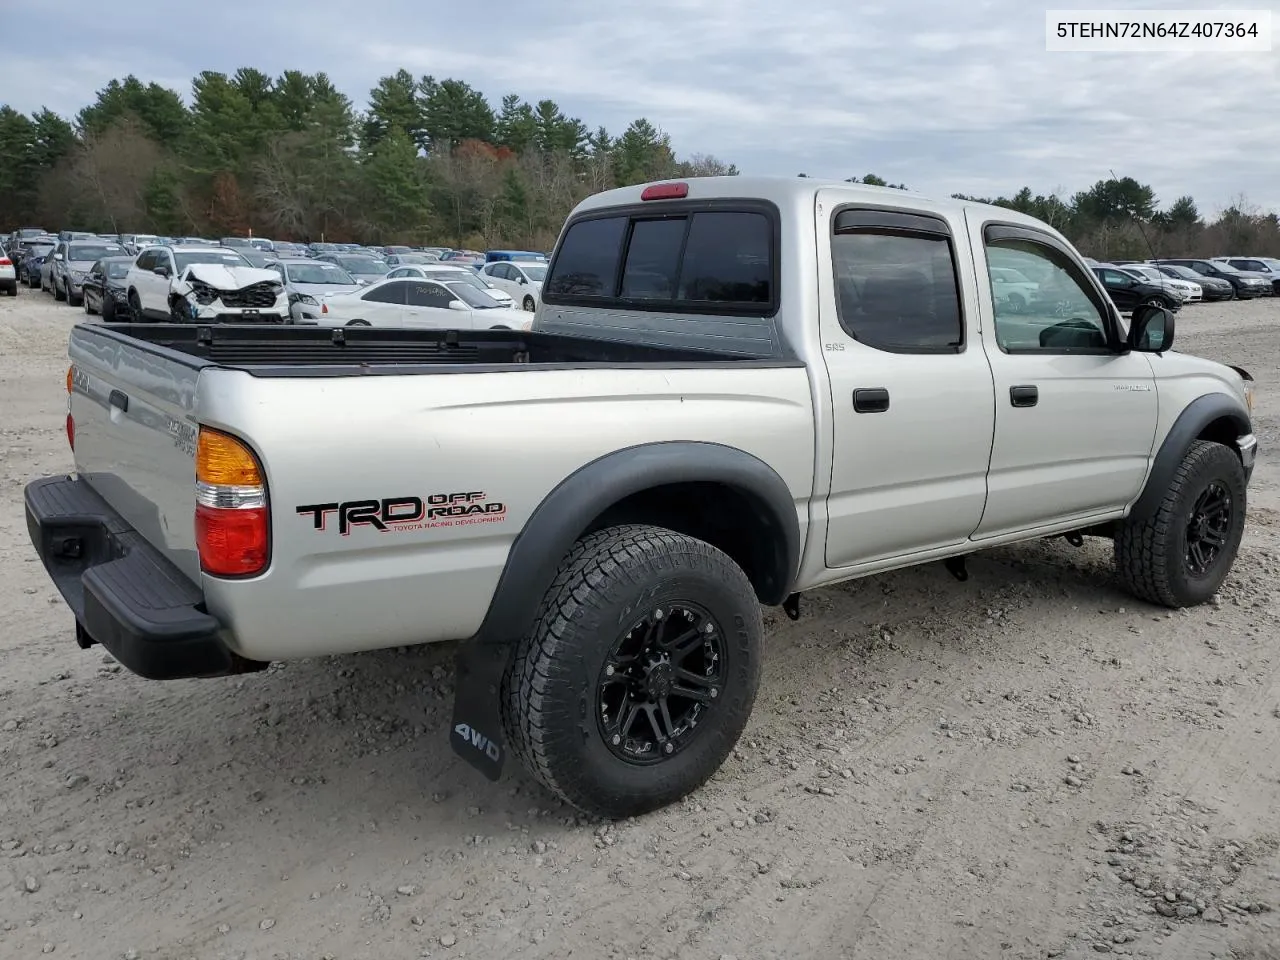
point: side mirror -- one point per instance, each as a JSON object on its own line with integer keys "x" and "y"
{"x": 160, "y": 271}
{"x": 524, "y": 281}
{"x": 458, "y": 305}
{"x": 57, "y": 256}
{"x": 1151, "y": 329}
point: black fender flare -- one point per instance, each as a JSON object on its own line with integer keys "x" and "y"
{"x": 1198, "y": 414}
{"x": 576, "y": 501}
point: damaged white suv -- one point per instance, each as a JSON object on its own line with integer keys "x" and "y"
{"x": 203, "y": 284}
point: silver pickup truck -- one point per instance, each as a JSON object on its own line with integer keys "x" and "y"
{"x": 735, "y": 389}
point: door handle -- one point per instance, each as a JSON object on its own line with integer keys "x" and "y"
{"x": 119, "y": 399}
{"x": 1025, "y": 395}
{"x": 871, "y": 400}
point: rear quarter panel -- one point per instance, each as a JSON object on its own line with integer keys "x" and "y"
{"x": 510, "y": 437}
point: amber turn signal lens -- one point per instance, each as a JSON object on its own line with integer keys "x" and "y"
{"x": 71, "y": 373}
{"x": 222, "y": 460}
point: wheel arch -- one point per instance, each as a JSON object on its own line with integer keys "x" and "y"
{"x": 1217, "y": 417}
{"x": 715, "y": 492}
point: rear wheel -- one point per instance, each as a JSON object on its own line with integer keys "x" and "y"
{"x": 1180, "y": 556}
{"x": 639, "y": 672}
{"x": 357, "y": 323}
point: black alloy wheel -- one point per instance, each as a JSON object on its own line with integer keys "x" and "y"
{"x": 1208, "y": 528}
{"x": 659, "y": 681}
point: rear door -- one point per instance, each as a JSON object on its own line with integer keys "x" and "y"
{"x": 910, "y": 384}
{"x": 384, "y": 306}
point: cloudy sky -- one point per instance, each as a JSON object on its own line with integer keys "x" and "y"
{"x": 944, "y": 95}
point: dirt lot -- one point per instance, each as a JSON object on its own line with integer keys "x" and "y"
{"x": 1031, "y": 764}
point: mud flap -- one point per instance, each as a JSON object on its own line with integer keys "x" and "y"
{"x": 476, "y": 729}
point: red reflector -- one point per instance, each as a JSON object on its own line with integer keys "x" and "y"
{"x": 71, "y": 431}
{"x": 232, "y": 543}
{"x": 665, "y": 191}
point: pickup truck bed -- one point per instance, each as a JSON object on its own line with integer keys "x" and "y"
{"x": 311, "y": 351}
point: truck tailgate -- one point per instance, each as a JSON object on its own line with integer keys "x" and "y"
{"x": 134, "y": 441}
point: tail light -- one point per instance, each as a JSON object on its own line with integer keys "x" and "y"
{"x": 5, "y": 262}
{"x": 232, "y": 521}
{"x": 71, "y": 424}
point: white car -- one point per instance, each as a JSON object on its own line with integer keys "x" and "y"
{"x": 1186, "y": 290}
{"x": 8, "y": 274}
{"x": 464, "y": 274}
{"x": 216, "y": 284}
{"x": 520, "y": 278}
{"x": 1012, "y": 288}
{"x": 419, "y": 303}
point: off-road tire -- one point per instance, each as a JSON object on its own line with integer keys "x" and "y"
{"x": 1151, "y": 554}
{"x": 549, "y": 697}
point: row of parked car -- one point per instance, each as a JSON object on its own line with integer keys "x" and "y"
{"x": 127, "y": 277}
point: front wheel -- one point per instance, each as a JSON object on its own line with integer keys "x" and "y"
{"x": 639, "y": 672}
{"x": 58, "y": 293}
{"x": 1180, "y": 556}
{"x": 135, "y": 307}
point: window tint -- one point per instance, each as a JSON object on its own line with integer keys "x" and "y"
{"x": 727, "y": 259}
{"x": 588, "y": 260}
{"x": 897, "y": 292}
{"x": 429, "y": 295}
{"x": 1114, "y": 278}
{"x": 146, "y": 260}
{"x": 388, "y": 293}
{"x": 1059, "y": 316}
{"x": 653, "y": 259}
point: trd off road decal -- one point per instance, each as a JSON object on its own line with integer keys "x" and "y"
{"x": 394, "y": 514}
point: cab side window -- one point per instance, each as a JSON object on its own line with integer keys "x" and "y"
{"x": 895, "y": 281}
{"x": 1059, "y": 311}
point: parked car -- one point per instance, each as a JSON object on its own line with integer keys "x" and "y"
{"x": 404, "y": 259}
{"x": 440, "y": 271}
{"x": 1012, "y": 288}
{"x": 1246, "y": 285}
{"x": 1265, "y": 266}
{"x": 239, "y": 243}
{"x": 72, "y": 261}
{"x": 263, "y": 244}
{"x": 599, "y": 508}
{"x": 491, "y": 256}
{"x": 1214, "y": 288}
{"x": 364, "y": 269}
{"x": 1129, "y": 292}
{"x": 30, "y": 257}
{"x": 8, "y": 275}
{"x": 1185, "y": 290}
{"x": 106, "y": 291}
{"x": 522, "y": 279}
{"x": 309, "y": 281}
{"x": 418, "y": 303}
{"x": 213, "y": 284}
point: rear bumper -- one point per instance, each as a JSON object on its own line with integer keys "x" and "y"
{"x": 123, "y": 592}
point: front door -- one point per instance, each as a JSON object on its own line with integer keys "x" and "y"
{"x": 1121, "y": 287}
{"x": 910, "y": 385}
{"x": 1075, "y": 414}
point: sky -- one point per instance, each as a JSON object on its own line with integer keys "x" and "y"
{"x": 945, "y": 96}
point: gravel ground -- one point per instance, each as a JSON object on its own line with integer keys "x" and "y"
{"x": 1031, "y": 764}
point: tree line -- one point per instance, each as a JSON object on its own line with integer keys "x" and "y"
{"x": 432, "y": 161}
{"x": 429, "y": 161}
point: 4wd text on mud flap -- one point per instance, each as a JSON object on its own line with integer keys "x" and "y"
{"x": 390, "y": 513}
{"x": 473, "y": 737}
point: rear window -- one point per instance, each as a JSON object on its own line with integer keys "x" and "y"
{"x": 708, "y": 261}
